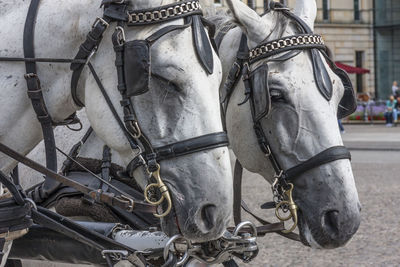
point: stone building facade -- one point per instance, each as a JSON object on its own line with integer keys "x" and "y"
{"x": 348, "y": 29}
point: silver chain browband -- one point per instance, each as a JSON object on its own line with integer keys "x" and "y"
{"x": 166, "y": 13}
{"x": 276, "y": 46}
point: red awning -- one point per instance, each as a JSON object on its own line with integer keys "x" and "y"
{"x": 351, "y": 69}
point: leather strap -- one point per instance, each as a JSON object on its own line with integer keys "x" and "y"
{"x": 126, "y": 202}
{"x": 86, "y": 50}
{"x": 38, "y": 103}
{"x": 238, "y": 204}
{"x": 329, "y": 155}
{"x": 193, "y": 145}
{"x": 2, "y": 243}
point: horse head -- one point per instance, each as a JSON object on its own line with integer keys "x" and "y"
{"x": 298, "y": 105}
{"x": 181, "y": 103}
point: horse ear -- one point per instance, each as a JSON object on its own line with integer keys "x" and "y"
{"x": 256, "y": 28}
{"x": 307, "y": 11}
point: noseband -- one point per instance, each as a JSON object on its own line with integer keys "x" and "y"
{"x": 261, "y": 103}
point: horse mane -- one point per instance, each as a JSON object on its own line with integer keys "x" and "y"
{"x": 224, "y": 22}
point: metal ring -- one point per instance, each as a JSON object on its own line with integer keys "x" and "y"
{"x": 241, "y": 225}
{"x": 146, "y": 191}
{"x": 75, "y": 129}
{"x": 170, "y": 242}
{"x": 31, "y": 202}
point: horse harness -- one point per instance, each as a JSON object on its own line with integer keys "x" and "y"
{"x": 133, "y": 64}
{"x": 258, "y": 94}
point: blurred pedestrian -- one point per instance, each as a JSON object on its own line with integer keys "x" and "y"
{"x": 395, "y": 89}
{"x": 390, "y": 111}
{"x": 396, "y": 110}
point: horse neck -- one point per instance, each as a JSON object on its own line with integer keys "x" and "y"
{"x": 60, "y": 28}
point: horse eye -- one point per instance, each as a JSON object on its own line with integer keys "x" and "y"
{"x": 277, "y": 95}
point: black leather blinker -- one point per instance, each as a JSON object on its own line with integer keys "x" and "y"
{"x": 321, "y": 75}
{"x": 137, "y": 67}
{"x": 202, "y": 44}
{"x": 260, "y": 91}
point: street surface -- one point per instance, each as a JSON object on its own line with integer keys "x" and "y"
{"x": 378, "y": 181}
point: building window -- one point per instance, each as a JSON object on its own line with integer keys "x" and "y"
{"x": 359, "y": 64}
{"x": 218, "y": 2}
{"x": 357, "y": 10}
{"x": 325, "y": 10}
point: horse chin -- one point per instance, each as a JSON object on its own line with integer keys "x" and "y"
{"x": 305, "y": 233}
{"x": 198, "y": 222}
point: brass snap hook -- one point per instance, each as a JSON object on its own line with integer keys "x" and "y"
{"x": 163, "y": 191}
{"x": 291, "y": 205}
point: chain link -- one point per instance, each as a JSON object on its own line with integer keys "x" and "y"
{"x": 242, "y": 243}
{"x": 163, "y": 14}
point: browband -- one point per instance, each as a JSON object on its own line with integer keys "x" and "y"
{"x": 302, "y": 41}
{"x": 154, "y": 15}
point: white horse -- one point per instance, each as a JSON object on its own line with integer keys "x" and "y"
{"x": 300, "y": 125}
{"x": 184, "y": 107}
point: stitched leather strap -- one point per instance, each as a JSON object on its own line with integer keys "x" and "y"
{"x": 38, "y": 103}
{"x": 326, "y": 156}
{"x": 127, "y": 203}
{"x": 193, "y": 145}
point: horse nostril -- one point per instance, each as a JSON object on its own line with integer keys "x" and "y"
{"x": 331, "y": 222}
{"x": 208, "y": 216}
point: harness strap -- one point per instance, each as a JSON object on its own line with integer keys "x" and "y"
{"x": 2, "y": 243}
{"x": 193, "y": 145}
{"x": 86, "y": 50}
{"x": 124, "y": 202}
{"x": 326, "y": 156}
{"x": 238, "y": 203}
{"x": 38, "y": 103}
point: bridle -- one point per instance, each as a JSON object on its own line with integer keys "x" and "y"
{"x": 148, "y": 156}
{"x": 305, "y": 41}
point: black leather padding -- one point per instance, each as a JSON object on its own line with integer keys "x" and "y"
{"x": 260, "y": 92}
{"x": 137, "y": 67}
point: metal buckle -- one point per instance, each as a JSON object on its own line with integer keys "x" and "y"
{"x": 128, "y": 200}
{"x": 102, "y": 21}
{"x": 30, "y": 75}
{"x": 120, "y": 35}
{"x": 116, "y": 255}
